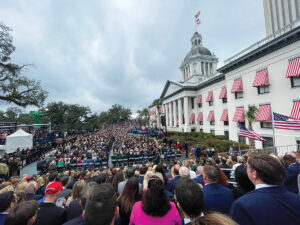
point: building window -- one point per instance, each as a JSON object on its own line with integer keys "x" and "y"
{"x": 238, "y": 95}
{"x": 212, "y": 132}
{"x": 201, "y": 130}
{"x": 242, "y": 140}
{"x": 193, "y": 104}
{"x": 212, "y": 122}
{"x": 201, "y": 122}
{"x": 200, "y": 105}
{"x": 244, "y": 123}
{"x": 263, "y": 89}
{"x": 226, "y": 134}
{"x": 268, "y": 143}
{"x": 295, "y": 81}
{"x": 266, "y": 125}
{"x": 226, "y": 123}
{"x": 298, "y": 145}
{"x": 210, "y": 103}
{"x": 224, "y": 100}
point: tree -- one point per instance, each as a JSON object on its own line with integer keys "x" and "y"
{"x": 92, "y": 122}
{"x": 15, "y": 88}
{"x": 118, "y": 113}
{"x": 251, "y": 115}
{"x": 143, "y": 116}
{"x": 55, "y": 114}
{"x": 12, "y": 114}
{"x": 74, "y": 117}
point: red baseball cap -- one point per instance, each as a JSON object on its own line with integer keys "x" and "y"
{"x": 53, "y": 188}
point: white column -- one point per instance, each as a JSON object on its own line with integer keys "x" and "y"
{"x": 186, "y": 114}
{"x": 167, "y": 114}
{"x": 157, "y": 118}
{"x": 179, "y": 106}
{"x": 170, "y": 114}
{"x": 175, "y": 113}
{"x": 196, "y": 109}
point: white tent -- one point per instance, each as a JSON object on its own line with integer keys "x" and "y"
{"x": 19, "y": 139}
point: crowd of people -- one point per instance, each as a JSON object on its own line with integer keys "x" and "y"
{"x": 255, "y": 188}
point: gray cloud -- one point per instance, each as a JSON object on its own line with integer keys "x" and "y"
{"x": 97, "y": 53}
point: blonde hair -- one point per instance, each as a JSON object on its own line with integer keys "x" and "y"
{"x": 40, "y": 181}
{"x": 76, "y": 190}
{"x": 7, "y": 189}
{"x": 216, "y": 218}
{"x": 147, "y": 177}
{"x": 20, "y": 187}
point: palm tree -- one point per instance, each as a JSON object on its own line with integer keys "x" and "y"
{"x": 251, "y": 115}
{"x": 157, "y": 103}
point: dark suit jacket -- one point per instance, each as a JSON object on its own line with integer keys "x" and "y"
{"x": 74, "y": 210}
{"x": 76, "y": 221}
{"x": 290, "y": 180}
{"x": 171, "y": 184}
{"x": 217, "y": 198}
{"x": 199, "y": 180}
{"x": 31, "y": 196}
{"x": 266, "y": 206}
{"x": 141, "y": 179}
{"x": 2, "y": 217}
{"x": 49, "y": 214}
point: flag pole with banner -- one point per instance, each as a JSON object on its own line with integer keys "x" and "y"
{"x": 273, "y": 132}
{"x": 197, "y": 20}
{"x": 238, "y": 134}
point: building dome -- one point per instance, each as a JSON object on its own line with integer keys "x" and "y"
{"x": 197, "y": 48}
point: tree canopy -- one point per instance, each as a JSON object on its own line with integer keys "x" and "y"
{"x": 15, "y": 88}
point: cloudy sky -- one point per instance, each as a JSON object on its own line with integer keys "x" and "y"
{"x": 101, "y": 52}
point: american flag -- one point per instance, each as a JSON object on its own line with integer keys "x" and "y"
{"x": 244, "y": 132}
{"x": 197, "y": 20}
{"x": 285, "y": 122}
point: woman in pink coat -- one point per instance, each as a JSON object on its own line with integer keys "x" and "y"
{"x": 155, "y": 208}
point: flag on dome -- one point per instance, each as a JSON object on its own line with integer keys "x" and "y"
{"x": 285, "y": 122}
{"x": 197, "y": 20}
{"x": 245, "y": 132}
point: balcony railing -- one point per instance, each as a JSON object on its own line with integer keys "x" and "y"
{"x": 260, "y": 43}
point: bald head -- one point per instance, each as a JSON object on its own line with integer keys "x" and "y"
{"x": 184, "y": 171}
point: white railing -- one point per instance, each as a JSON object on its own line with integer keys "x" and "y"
{"x": 260, "y": 43}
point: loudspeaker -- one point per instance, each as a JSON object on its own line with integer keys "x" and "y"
{"x": 163, "y": 120}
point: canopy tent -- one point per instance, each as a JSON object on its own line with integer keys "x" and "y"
{"x": 19, "y": 139}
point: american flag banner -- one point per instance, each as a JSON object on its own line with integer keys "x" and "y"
{"x": 285, "y": 122}
{"x": 245, "y": 132}
{"x": 197, "y": 20}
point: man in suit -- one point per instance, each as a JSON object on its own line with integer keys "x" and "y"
{"x": 129, "y": 173}
{"x": 199, "y": 178}
{"x": 216, "y": 197}
{"x": 143, "y": 171}
{"x": 189, "y": 199}
{"x": 171, "y": 183}
{"x": 30, "y": 189}
{"x": 223, "y": 165}
{"x": 8, "y": 200}
{"x": 269, "y": 203}
{"x": 291, "y": 173}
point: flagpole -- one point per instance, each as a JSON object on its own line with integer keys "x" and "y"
{"x": 237, "y": 125}
{"x": 273, "y": 132}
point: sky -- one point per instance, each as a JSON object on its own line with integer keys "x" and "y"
{"x": 98, "y": 53}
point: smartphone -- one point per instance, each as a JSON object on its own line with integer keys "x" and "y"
{"x": 60, "y": 202}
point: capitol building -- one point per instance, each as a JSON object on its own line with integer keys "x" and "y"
{"x": 213, "y": 100}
